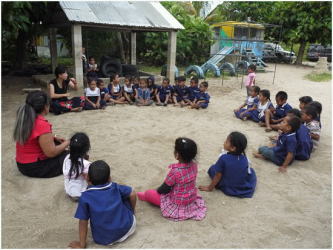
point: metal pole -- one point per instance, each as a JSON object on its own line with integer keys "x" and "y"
{"x": 275, "y": 52}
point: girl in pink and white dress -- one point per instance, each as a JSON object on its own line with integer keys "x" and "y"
{"x": 178, "y": 196}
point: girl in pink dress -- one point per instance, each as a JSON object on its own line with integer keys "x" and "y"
{"x": 178, "y": 196}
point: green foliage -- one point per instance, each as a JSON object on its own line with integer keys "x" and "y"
{"x": 323, "y": 77}
{"x": 193, "y": 43}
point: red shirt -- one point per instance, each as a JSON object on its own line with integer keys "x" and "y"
{"x": 31, "y": 151}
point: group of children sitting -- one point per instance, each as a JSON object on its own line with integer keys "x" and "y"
{"x": 144, "y": 92}
{"x": 299, "y": 130}
{"x": 110, "y": 207}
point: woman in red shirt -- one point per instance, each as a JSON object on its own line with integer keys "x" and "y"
{"x": 38, "y": 152}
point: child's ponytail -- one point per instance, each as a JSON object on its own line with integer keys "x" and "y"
{"x": 79, "y": 147}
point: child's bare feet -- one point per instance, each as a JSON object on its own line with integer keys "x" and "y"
{"x": 244, "y": 118}
{"x": 269, "y": 129}
{"x": 257, "y": 155}
{"x": 262, "y": 124}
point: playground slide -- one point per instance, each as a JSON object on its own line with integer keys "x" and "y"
{"x": 219, "y": 56}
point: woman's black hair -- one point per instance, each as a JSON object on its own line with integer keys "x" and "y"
{"x": 317, "y": 106}
{"x": 265, "y": 93}
{"x": 59, "y": 70}
{"x": 78, "y": 148}
{"x": 239, "y": 141}
{"x": 305, "y": 99}
{"x": 26, "y": 114}
{"x": 99, "y": 172}
{"x": 186, "y": 148}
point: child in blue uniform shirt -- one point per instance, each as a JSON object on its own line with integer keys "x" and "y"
{"x": 194, "y": 89}
{"x": 181, "y": 92}
{"x": 109, "y": 206}
{"x": 283, "y": 153}
{"x": 104, "y": 91}
{"x": 164, "y": 92}
{"x": 304, "y": 142}
{"x": 152, "y": 87}
{"x": 232, "y": 173}
{"x": 251, "y": 103}
{"x": 276, "y": 115}
{"x": 202, "y": 98}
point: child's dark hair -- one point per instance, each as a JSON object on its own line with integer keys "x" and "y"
{"x": 239, "y": 141}
{"x": 265, "y": 93}
{"x": 99, "y": 172}
{"x": 205, "y": 84}
{"x": 305, "y": 99}
{"x": 78, "y": 148}
{"x": 281, "y": 95}
{"x": 311, "y": 110}
{"x": 294, "y": 123}
{"x": 60, "y": 70}
{"x": 295, "y": 112}
{"x": 91, "y": 79}
{"x": 195, "y": 79}
{"x": 113, "y": 76}
{"x": 91, "y": 57}
{"x": 99, "y": 81}
{"x": 166, "y": 79}
{"x": 128, "y": 78}
{"x": 181, "y": 79}
{"x": 186, "y": 148}
{"x": 253, "y": 67}
{"x": 151, "y": 79}
{"x": 317, "y": 106}
{"x": 256, "y": 89}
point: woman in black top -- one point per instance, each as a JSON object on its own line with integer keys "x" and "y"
{"x": 60, "y": 103}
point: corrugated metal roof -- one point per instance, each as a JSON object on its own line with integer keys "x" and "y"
{"x": 137, "y": 14}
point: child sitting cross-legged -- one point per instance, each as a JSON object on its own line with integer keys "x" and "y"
{"x": 129, "y": 92}
{"x": 93, "y": 96}
{"x": 115, "y": 90}
{"x": 276, "y": 115}
{"x": 258, "y": 114}
{"x": 232, "y": 173}
{"x": 109, "y": 206}
{"x": 283, "y": 153}
{"x": 164, "y": 93}
{"x": 178, "y": 196}
{"x": 104, "y": 91}
{"x": 202, "y": 98}
{"x": 251, "y": 104}
{"x": 142, "y": 97}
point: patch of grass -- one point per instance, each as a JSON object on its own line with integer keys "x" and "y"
{"x": 323, "y": 77}
{"x": 67, "y": 61}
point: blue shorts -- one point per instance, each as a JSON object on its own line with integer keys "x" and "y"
{"x": 203, "y": 105}
{"x": 254, "y": 116}
{"x": 268, "y": 153}
{"x": 247, "y": 114}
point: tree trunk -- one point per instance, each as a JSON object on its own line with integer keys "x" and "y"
{"x": 121, "y": 47}
{"x": 21, "y": 41}
{"x": 300, "y": 53}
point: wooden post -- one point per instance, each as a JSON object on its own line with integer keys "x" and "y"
{"x": 133, "y": 48}
{"x": 53, "y": 48}
{"x": 77, "y": 53}
{"x": 171, "y": 61}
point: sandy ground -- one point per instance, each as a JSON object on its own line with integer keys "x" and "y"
{"x": 291, "y": 210}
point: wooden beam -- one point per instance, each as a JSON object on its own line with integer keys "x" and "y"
{"x": 77, "y": 53}
{"x": 171, "y": 61}
{"x": 133, "y": 48}
{"x": 53, "y": 48}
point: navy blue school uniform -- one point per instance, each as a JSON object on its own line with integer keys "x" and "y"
{"x": 238, "y": 179}
{"x": 258, "y": 115}
{"x": 286, "y": 143}
{"x": 194, "y": 91}
{"x": 304, "y": 143}
{"x": 203, "y": 96}
{"x": 104, "y": 91}
{"x": 107, "y": 206}
{"x": 182, "y": 92}
{"x": 152, "y": 89}
{"x": 281, "y": 111}
{"x": 163, "y": 92}
{"x": 250, "y": 103}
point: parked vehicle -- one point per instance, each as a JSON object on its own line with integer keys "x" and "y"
{"x": 317, "y": 50}
{"x": 275, "y": 53}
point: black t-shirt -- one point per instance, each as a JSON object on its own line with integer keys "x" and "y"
{"x": 58, "y": 90}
